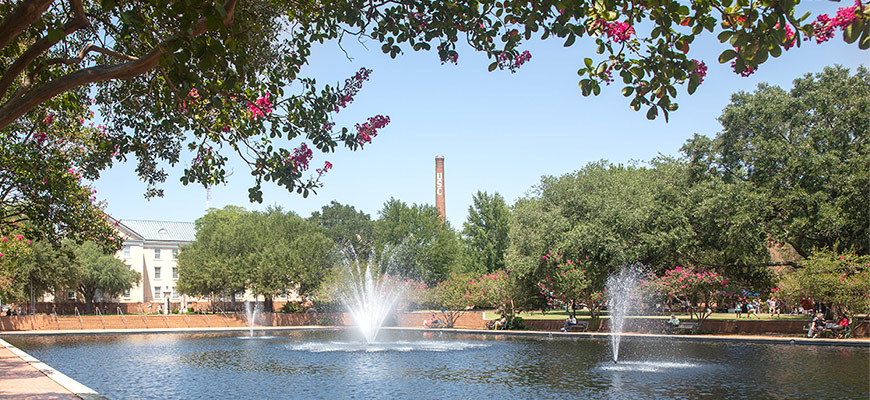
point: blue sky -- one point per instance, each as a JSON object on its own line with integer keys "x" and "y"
{"x": 498, "y": 131}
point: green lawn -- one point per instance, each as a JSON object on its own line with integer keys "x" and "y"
{"x": 561, "y": 314}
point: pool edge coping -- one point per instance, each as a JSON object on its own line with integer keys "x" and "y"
{"x": 592, "y": 335}
{"x": 75, "y": 387}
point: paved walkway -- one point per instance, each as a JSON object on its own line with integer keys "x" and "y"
{"x": 24, "y": 377}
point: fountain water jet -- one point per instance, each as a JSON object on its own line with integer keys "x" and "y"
{"x": 620, "y": 287}
{"x": 252, "y": 310}
{"x": 369, "y": 295}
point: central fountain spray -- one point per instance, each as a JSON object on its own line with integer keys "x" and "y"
{"x": 252, "y": 309}
{"x": 369, "y": 295}
{"x": 620, "y": 287}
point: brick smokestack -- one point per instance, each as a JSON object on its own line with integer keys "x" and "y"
{"x": 439, "y": 187}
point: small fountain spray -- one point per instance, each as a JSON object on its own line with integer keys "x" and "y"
{"x": 620, "y": 287}
{"x": 252, "y": 310}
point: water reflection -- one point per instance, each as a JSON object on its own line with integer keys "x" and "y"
{"x": 334, "y": 365}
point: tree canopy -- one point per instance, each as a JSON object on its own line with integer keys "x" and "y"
{"x": 267, "y": 253}
{"x": 804, "y": 153}
{"x": 101, "y": 274}
{"x": 165, "y": 80}
{"x": 486, "y": 231}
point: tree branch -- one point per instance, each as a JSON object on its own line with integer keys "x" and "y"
{"x": 27, "y": 12}
{"x": 13, "y": 110}
{"x": 78, "y": 21}
{"x": 87, "y": 49}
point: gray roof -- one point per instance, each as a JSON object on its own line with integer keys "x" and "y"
{"x": 162, "y": 230}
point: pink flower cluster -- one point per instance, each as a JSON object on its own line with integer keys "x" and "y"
{"x": 513, "y": 63}
{"x": 260, "y": 108}
{"x": 790, "y": 38}
{"x": 301, "y": 156}
{"x": 824, "y": 25}
{"x": 619, "y": 32}
{"x": 326, "y": 167}
{"x": 367, "y": 130}
{"x": 352, "y": 86}
{"x": 700, "y": 70}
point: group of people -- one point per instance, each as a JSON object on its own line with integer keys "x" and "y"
{"x": 432, "y": 322}
{"x": 819, "y": 324}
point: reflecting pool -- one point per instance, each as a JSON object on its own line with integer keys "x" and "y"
{"x": 426, "y": 365}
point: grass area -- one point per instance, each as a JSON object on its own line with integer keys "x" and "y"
{"x": 561, "y": 314}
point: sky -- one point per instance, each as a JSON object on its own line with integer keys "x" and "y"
{"x": 498, "y": 131}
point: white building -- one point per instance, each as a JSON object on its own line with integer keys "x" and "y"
{"x": 151, "y": 248}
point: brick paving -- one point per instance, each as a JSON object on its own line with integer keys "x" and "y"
{"x": 20, "y": 380}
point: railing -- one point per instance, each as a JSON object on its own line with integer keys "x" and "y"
{"x": 226, "y": 318}
{"x": 186, "y": 319}
{"x": 165, "y": 319}
{"x": 56, "y": 321}
{"x": 76, "y": 310}
{"x": 205, "y": 316}
{"x": 144, "y": 318}
{"x": 123, "y": 318}
{"x": 100, "y": 314}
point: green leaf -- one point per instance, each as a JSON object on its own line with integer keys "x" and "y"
{"x": 727, "y": 55}
{"x": 493, "y": 66}
{"x": 588, "y": 62}
{"x": 108, "y": 5}
{"x": 652, "y": 113}
{"x": 853, "y": 31}
{"x": 775, "y": 51}
{"x": 694, "y": 81}
{"x": 627, "y": 91}
{"x": 54, "y": 35}
{"x": 864, "y": 43}
{"x": 570, "y": 41}
{"x": 724, "y": 36}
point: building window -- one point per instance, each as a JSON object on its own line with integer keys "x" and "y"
{"x": 127, "y": 252}
{"x": 156, "y": 254}
{"x": 174, "y": 272}
{"x": 127, "y": 293}
{"x": 156, "y": 272}
{"x": 240, "y": 296}
{"x": 128, "y": 266}
{"x": 70, "y": 295}
{"x": 157, "y": 293}
{"x": 174, "y": 293}
{"x": 174, "y": 253}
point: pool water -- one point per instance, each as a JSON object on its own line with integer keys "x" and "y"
{"x": 426, "y": 365}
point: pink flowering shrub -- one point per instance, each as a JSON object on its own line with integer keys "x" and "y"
{"x": 699, "y": 286}
{"x": 824, "y": 26}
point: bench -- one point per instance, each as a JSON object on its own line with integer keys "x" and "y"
{"x": 582, "y": 326}
{"x": 845, "y": 333}
{"x": 687, "y": 326}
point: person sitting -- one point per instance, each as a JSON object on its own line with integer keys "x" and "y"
{"x": 842, "y": 325}
{"x": 430, "y": 322}
{"x": 672, "y": 323}
{"x": 571, "y": 321}
{"x": 816, "y": 326}
{"x": 500, "y": 323}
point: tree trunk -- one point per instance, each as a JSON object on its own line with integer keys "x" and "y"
{"x": 89, "y": 303}
{"x": 267, "y": 303}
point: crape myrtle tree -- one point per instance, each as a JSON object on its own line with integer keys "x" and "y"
{"x": 452, "y": 296}
{"x": 566, "y": 281}
{"x": 840, "y": 279}
{"x": 209, "y": 80}
{"x": 699, "y": 286}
